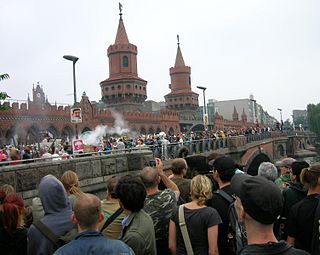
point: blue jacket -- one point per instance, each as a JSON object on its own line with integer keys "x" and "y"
{"x": 93, "y": 242}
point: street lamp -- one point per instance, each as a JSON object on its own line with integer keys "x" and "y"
{"x": 254, "y": 111}
{"x": 205, "y": 116}
{"x": 281, "y": 122}
{"x": 74, "y": 60}
{"x": 280, "y": 110}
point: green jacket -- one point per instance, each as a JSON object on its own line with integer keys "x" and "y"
{"x": 281, "y": 180}
{"x": 293, "y": 194}
{"x": 138, "y": 233}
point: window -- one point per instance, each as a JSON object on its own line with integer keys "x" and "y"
{"x": 125, "y": 62}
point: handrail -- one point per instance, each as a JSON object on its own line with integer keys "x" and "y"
{"x": 166, "y": 150}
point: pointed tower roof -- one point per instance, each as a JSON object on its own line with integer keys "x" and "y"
{"x": 179, "y": 58}
{"x": 121, "y": 37}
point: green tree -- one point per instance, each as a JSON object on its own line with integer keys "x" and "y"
{"x": 4, "y": 95}
{"x": 314, "y": 118}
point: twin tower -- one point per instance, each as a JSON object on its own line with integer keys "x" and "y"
{"x": 125, "y": 90}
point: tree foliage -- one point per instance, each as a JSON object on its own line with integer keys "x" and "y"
{"x": 4, "y": 95}
{"x": 314, "y": 117}
{"x": 4, "y": 76}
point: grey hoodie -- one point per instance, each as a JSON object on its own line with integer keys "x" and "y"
{"x": 57, "y": 216}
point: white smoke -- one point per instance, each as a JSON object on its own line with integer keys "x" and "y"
{"x": 120, "y": 125}
{"x": 95, "y": 137}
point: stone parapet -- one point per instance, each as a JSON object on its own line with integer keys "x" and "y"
{"x": 93, "y": 171}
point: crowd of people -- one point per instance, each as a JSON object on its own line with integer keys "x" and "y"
{"x": 58, "y": 149}
{"x": 160, "y": 211}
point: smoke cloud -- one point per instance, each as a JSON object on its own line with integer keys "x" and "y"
{"x": 95, "y": 137}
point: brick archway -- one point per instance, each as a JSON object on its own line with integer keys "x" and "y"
{"x": 255, "y": 161}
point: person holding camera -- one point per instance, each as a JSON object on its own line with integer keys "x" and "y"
{"x": 159, "y": 204}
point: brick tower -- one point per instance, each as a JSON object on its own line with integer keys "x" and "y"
{"x": 181, "y": 98}
{"x": 123, "y": 90}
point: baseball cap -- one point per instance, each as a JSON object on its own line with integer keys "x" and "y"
{"x": 286, "y": 162}
{"x": 260, "y": 198}
{"x": 224, "y": 165}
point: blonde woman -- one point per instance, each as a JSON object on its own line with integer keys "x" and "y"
{"x": 71, "y": 184}
{"x": 201, "y": 221}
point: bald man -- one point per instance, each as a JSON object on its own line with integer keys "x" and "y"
{"x": 87, "y": 215}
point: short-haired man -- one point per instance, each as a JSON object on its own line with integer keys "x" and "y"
{"x": 268, "y": 170}
{"x": 259, "y": 204}
{"x": 138, "y": 230}
{"x": 159, "y": 204}
{"x": 179, "y": 168}
{"x": 87, "y": 215}
{"x": 283, "y": 180}
{"x": 109, "y": 206}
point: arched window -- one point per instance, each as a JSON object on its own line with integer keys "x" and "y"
{"x": 125, "y": 62}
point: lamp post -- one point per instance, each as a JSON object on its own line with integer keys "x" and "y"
{"x": 281, "y": 122}
{"x": 280, "y": 110}
{"x": 74, "y": 60}
{"x": 205, "y": 116}
{"x": 254, "y": 111}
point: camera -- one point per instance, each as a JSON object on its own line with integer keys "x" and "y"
{"x": 152, "y": 163}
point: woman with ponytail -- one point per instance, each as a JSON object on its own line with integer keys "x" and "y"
{"x": 201, "y": 221}
{"x": 301, "y": 215}
{"x": 71, "y": 184}
{"x": 13, "y": 234}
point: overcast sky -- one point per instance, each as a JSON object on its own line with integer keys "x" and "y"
{"x": 269, "y": 48}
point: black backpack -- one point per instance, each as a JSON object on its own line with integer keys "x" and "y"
{"x": 237, "y": 238}
{"x": 58, "y": 241}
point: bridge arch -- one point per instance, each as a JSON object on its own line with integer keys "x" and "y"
{"x": 53, "y": 131}
{"x": 280, "y": 151}
{"x": 12, "y": 135}
{"x": 151, "y": 131}
{"x": 255, "y": 161}
{"x": 66, "y": 133}
{"x": 33, "y": 135}
{"x": 143, "y": 131}
{"x": 197, "y": 127}
{"x": 85, "y": 129}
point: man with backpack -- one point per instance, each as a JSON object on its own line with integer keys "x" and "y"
{"x": 259, "y": 203}
{"x": 223, "y": 170}
{"x": 87, "y": 215}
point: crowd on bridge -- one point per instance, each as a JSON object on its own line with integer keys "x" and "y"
{"x": 162, "y": 211}
{"x": 58, "y": 149}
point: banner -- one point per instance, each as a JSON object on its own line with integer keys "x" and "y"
{"x": 76, "y": 115}
{"x": 77, "y": 145}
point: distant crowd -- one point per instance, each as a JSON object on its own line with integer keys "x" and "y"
{"x": 58, "y": 149}
{"x": 160, "y": 211}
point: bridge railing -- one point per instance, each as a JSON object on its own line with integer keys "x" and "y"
{"x": 168, "y": 151}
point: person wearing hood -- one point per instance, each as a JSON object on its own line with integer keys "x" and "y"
{"x": 57, "y": 216}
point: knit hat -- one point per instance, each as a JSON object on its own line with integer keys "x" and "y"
{"x": 260, "y": 198}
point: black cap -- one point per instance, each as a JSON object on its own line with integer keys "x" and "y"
{"x": 225, "y": 166}
{"x": 260, "y": 198}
